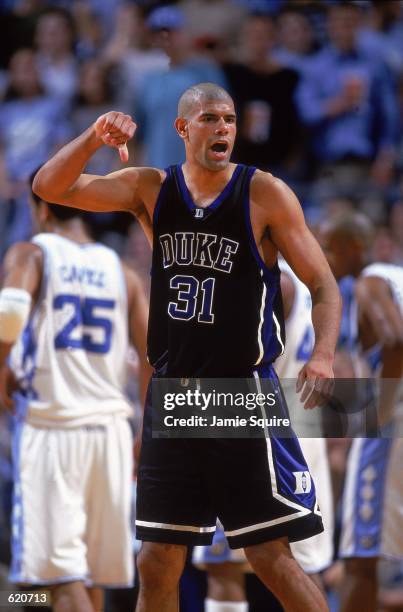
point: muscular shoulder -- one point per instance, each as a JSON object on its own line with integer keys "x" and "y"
{"x": 272, "y": 197}
{"x": 23, "y": 254}
{"x": 143, "y": 183}
{"x": 22, "y": 267}
{"x": 370, "y": 287}
{"x": 149, "y": 182}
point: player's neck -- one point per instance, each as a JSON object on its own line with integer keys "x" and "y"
{"x": 73, "y": 229}
{"x": 204, "y": 182}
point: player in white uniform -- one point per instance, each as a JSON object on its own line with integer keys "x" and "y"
{"x": 372, "y": 522}
{"x": 75, "y": 304}
{"x": 316, "y": 553}
{"x": 225, "y": 567}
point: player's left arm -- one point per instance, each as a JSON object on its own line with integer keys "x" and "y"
{"x": 281, "y": 214}
{"x": 22, "y": 274}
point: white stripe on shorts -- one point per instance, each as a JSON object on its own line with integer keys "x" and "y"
{"x": 175, "y": 527}
{"x": 291, "y": 504}
{"x": 277, "y": 521}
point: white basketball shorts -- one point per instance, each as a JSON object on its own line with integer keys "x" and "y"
{"x": 71, "y": 507}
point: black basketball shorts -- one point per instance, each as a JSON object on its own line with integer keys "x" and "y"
{"x": 252, "y": 485}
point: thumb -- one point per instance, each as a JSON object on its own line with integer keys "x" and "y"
{"x": 123, "y": 153}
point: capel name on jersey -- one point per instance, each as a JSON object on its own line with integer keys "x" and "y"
{"x": 86, "y": 276}
{"x": 199, "y": 249}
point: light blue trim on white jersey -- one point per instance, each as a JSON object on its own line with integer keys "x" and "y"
{"x": 17, "y": 515}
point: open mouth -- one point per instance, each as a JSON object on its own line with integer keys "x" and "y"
{"x": 219, "y": 147}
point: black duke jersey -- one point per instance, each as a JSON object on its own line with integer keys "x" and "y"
{"x": 215, "y": 308}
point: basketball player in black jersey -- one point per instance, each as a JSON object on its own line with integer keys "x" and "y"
{"x": 216, "y": 229}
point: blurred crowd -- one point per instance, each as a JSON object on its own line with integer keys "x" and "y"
{"x": 318, "y": 87}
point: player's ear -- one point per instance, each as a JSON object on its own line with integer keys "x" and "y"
{"x": 181, "y": 126}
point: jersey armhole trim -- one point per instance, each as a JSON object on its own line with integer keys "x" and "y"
{"x": 252, "y": 242}
{"x": 161, "y": 195}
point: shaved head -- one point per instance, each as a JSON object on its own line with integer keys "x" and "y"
{"x": 354, "y": 225}
{"x": 346, "y": 240}
{"x": 203, "y": 92}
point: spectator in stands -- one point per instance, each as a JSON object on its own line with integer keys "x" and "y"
{"x": 32, "y": 127}
{"x": 54, "y": 39}
{"x": 157, "y": 105}
{"x": 129, "y": 53}
{"x": 214, "y": 20}
{"x": 382, "y": 33}
{"x": 90, "y": 35}
{"x": 295, "y": 38}
{"x": 95, "y": 97}
{"x": 269, "y": 132}
{"x": 105, "y": 11}
{"x": 348, "y": 101}
{"x": 268, "y": 7}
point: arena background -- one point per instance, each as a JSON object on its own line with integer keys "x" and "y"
{"x": 318, "y": 87}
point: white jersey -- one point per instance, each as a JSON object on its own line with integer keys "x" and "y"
{"x": 71, "y": 358}
{"x": 300, "y": 336}
{"x": 316, "y": 553}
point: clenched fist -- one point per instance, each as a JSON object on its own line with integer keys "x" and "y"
{"x": 115, "y": 129}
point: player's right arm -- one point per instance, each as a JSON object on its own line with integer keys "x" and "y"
{"x": 276, "y": 212}
{"x": 20, "y": 288}
{"x": 62, "y": 180}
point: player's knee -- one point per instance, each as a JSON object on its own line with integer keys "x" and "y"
{"x": 160, "y": 565}
{"x": 65, "y": 597}
{"x": 274, "y": 553}
{"x": 273, "y": 561}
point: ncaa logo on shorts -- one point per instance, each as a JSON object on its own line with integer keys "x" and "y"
{"x": 303, "y": 482}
